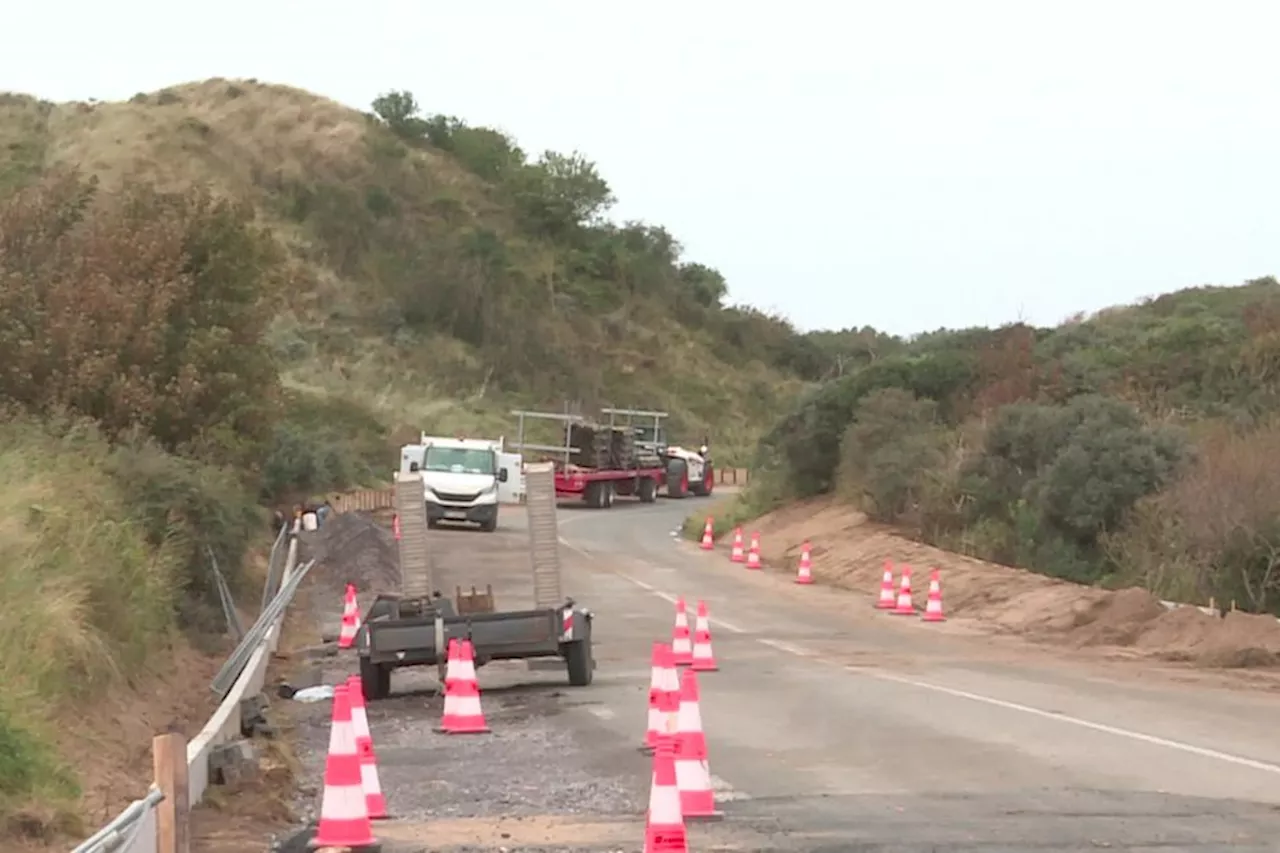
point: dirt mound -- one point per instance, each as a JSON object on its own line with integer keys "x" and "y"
{"x": 850, "y": 552}
{"x": 1242, "y": 640}
{"x": 1178, "y": 634}
{"x": 1119, "y": 619}
{"x": 352, "y": 547}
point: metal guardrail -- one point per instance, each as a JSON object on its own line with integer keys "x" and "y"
{"x": 120, "y": 833}
{"x": 123, "y": 827}
{"x": 234, "y": 665}
{"x": 275, "y": 567}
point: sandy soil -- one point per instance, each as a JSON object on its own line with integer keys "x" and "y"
{"x": 850, "y": 552}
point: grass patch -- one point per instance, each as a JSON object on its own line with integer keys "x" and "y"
{"x": 762, "y": 495}
{"x": 98, "y": 572}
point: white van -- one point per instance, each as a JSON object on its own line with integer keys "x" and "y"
{"x": 463, "y": 479}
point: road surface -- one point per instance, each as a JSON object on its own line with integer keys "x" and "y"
{"x": 831, "y": 727}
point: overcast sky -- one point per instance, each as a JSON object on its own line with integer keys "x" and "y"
{"x": 907, "y": 165}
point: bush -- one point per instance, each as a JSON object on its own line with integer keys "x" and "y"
{"x": 190, "y": 510}
{"x": 1216, "y": 532}
{"x": 889, "y": 454}
{"x": 139, "y": 309}
{"x": 322, "y": 444}
{"x": 1060, "y": 477}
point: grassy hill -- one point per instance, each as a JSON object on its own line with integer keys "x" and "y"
{"x": 436, "y": 274}
{"x": 1134, "y": 446}
{"x": 230, "y": 293}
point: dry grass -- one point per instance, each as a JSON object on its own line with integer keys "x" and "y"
{"x": 86, "y": 622}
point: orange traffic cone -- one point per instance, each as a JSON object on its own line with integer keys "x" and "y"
{"x": 738, "y": 554}
{"x": 933, "y": 607}
{"x": 709, "y": 535}
{"x": 462, "y": 713}
{"x": 804, "y": 574}
{"x": 657, "y": 716}
{"x": 664, "y": 830}
{"x": 704, "y": 660}
{"x": 375, "y": 802}
{"x": 458, "y": 669}
{"x": 693, "y": 774}
{"x": 669, "y": 698}
{"x": 888, "y": 600}
{"x": 904, "y": 607}
{"x": 344, "y": 817}
{"x": 681, "y": 644}
{"x": 753, "y": 554}
{"x": 350, "y": 619}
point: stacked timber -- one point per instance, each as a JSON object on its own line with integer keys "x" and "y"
{"x": 613, "y": 448}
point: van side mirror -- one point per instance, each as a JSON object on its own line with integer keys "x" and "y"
{"x": 502, "y": 475}
{"x": 413, "y": 467}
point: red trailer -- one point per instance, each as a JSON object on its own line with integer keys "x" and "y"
{"x": 596, "y": 487}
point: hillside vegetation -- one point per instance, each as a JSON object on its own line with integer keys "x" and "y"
{"x": 1131, "y": 447}
{"x": 229, "y": 293}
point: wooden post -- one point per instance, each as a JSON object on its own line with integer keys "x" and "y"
{"x": 169, "y": 754}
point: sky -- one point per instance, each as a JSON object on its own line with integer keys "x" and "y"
{"x": 907, "y": 165}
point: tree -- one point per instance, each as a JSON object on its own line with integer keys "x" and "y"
{"x": 399, "y": 111}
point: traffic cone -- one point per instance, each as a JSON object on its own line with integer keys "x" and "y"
{"x": 462, "y": 713}
{"x": 904, "y": 606}
{"x": 888, "y": 599}
{"x": 753, "y": 554}
{"x": 375, "y": 802}
{"x": 709, "y": 535}
{"x": 664, "y": 830}
{"x": 344, "y": 817}
{"x": 350, "y": 619}
{"x": 669, "y": 698}
{"x": 933, "y": 607}
{"x": 804, "y": 575}
{"x": 657, "y": 716}
{"x": 693, "y": 774}
{"x": 704, "y": 660}
{"x": 681, "y": 644}
{"x": 738, "y": 554}
{"x": 456, "y": 668}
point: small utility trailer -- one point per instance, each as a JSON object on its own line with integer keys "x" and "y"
{"x": 413, "y": 628}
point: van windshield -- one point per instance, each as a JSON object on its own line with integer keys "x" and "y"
{"x": 459, "y": 460}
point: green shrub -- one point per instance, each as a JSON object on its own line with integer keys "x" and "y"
{"x": 190, "y": 510}
{"x": 322, "y": 444}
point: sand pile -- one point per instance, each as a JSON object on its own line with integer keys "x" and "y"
{"x": 850, "y": 552}
{"x": 1118, "y": 619}
{"x": 1242, "y": 640}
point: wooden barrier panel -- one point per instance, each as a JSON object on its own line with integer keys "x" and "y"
{"x": 364, "y": 500}
{"x": 733, "y": 476}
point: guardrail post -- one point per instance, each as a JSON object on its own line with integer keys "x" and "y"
{"x": 169, "y": 754}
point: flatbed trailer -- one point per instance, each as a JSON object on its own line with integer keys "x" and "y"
{"x": 596, "y": 487}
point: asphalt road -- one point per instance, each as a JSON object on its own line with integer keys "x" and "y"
{"x": 830, "y": 727}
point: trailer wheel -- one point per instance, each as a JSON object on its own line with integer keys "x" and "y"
{"x": 593, "y": 497}
{"x": 577, "y": 657}
{"x": 647, "y": 491}
{"x": 607, "y": 487}
{"x": 375, "y": 680}
{"x": 677, "y": 478}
